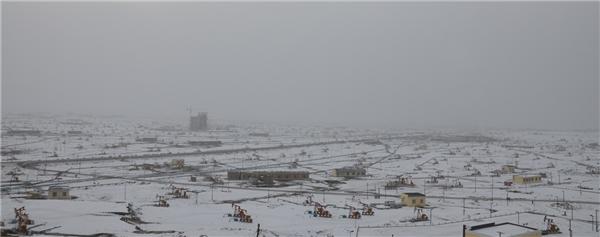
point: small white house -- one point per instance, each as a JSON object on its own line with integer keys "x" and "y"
{"x": 58, "y": 192}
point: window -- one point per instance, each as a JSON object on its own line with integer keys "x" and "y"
{"x": 413, "y": 201}
{"x": 422, "y": 200}
{"x": 65, "y": 194}
{"x": 53, "y": 194}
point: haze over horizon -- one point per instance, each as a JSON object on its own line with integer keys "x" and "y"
{"x": 405, "y": 65}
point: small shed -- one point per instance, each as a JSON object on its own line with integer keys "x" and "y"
{"x": 527, "y": 179}
{"x": 508, "y": 169}
{"x": 413, "y": 199}
{"x": 349, "y": 172}
{"x": 58, "y": 192}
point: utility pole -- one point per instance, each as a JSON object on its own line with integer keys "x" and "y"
{"x": 492, "y": 189}
{"x": 463, "y": 207}
{"x": 258, "y": 230}
{"x": 596, "y": 220}
{"x": 570, "y": 230}
{"x": 430, "y": 216}
{"x": 124, "y": 187}
{"x": 444, "y": 193}
{"x": 518, "y": 218}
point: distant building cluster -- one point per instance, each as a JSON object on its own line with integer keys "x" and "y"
{"x": 349, "y": 172}
{"x": 205, "y": 143}
{"x": 199, "y": 122}
{"x": 58, "y": 192}
{"x": 413, "y": 199}
{"x": 147, "y": 139}
{"x": 527, "y": 179}
{"x": 258, "y": 134}
{"x": 275, "y": 175}
{"x": 23, "y": 132}
{"x": 74, "y": 132}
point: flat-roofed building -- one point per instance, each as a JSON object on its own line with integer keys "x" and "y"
{"x": 349, "y": 172}
{"x": 199, "y": 122}
{"x": 275, "y": 175}
{"x": 413, "y": 199}
{"x": 507, "y": 229}
{"x": 58, "y": 192}
{"x": 527, "y": 179}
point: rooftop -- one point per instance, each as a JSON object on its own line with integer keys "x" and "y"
{"x": 414, "y": 194}
{"x": 528, "y": 175}
{"x": 349, "y": 168}
{"x": 58, "y": 187}
{"x": 506, "y": 228}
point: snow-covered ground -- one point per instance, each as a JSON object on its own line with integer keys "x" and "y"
{"x": 105, "y": 167}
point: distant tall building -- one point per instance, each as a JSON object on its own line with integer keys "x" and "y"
{"x": 199, "y": 122}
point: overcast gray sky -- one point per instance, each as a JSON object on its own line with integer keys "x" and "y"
{"x": 501, "y": 65}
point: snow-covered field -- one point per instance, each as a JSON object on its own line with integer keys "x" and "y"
{"x": 106, "y": 167}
